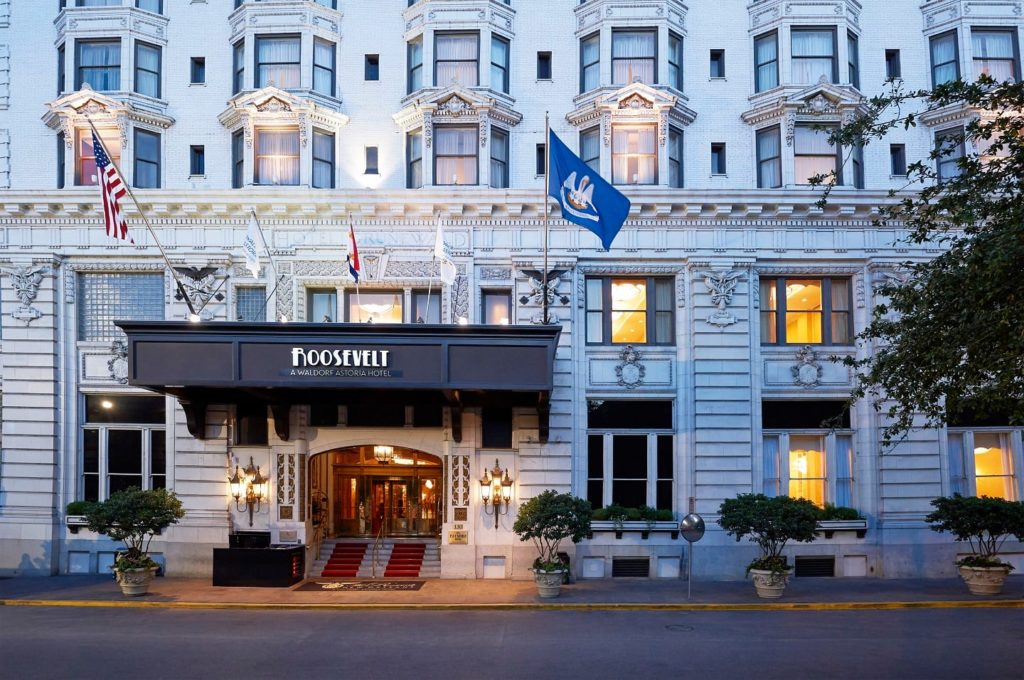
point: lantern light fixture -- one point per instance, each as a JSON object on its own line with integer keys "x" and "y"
{"x": 496, "y": 491}
{"x": 248, "y": 488}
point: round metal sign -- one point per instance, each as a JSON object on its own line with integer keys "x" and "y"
{"x": 692, "y": 527}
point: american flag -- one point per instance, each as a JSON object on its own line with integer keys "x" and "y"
{"x": 112, "y": 190}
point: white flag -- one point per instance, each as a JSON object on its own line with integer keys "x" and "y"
{"x": 249, "y": 248}
{"x": 443, "y": 255}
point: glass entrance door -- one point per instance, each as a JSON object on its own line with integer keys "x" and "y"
{"x": 391, "y": 506}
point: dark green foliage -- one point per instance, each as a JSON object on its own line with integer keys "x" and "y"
{"x": 549, "y": 518}
{"x": 617, "y": 514}
{"x": 601, "y": 514}
{"x": 838, "y": 513}
{"x": 78, "y": 507}
{"x": 133, "y": 516}
{"x": 666, "y": 516}
{"x": 984, "y": 523}
{"x": 770, "y": 523}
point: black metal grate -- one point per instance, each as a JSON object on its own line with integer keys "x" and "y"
{"x": 816, "y": 566}
{"x": 634, "y": 567}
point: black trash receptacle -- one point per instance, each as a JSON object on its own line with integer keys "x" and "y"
{"x": 564, "y": 558}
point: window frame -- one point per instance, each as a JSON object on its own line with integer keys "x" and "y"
{"x": 411, "y": 162}
{"x": 488, "y": 293}
{"x": 545, "y": 57}
{"x": 159, "y": 10}
{"x": 312, "y": 293}
{"x": 594, "y": 163}
{"x": 653, "y": 32}
{"x": 893, "y": 67}
{"x": 606, "y": 478}
{"x": 967, "y": 482}
{"x": 371, "y": 158}
{"x": 371, "y": 67}
{"x": 586, "y": 66}
{"x": 932, "y": 40}
{"x": 837, "y": 155}
{"x": 440, "y": 129}
{"x": 351, "y": 296}
{"x": 720, "y": 153}
{"x": 238, "y": 67}
{"x": 197, "y": 160}
{"x": 256, "y": 156}
{"x": 675, "y": 147}
{"x": 159, "y": 65}
{"x": 79, "y": 69}
{"x": 902, "y": 148}
{"x": 618, "y": 129}
{"x": 949, "y": 159}
{"x": 197, "y": 71}
{"x": 825, "y": 316}
{"x": 675, "y": 53}
{"x": 332, "y": 71}
{"x": 238, "y": 301}
{"x": 505, "y": 70}
{"x": 716, "y": 57}
{"x": 853, "y": 58}
{"x": 835, "y": 49}
{"x": 237, "y": 159}
{"x": 136, "y": 160}
{"x": 61, "y": 68}
{"x": 500, "y": 138}
{"x": 774, "y": 36}
{"x": 414, "y": 70}
{"x": 256, "y": 77}
{"x": 829, "y": 440}
{"x": 448, "y": 34}
{"x": 777, "y": 131}
{"x": 95, "y": 331}
{"x": 331, "y": 162}
{"x": 434, "y": 301}
{"x": 1014, "y": 39}
{"x": 103, "y": 430}
{"x": 605, "y": 310}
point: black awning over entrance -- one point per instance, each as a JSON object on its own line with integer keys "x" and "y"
{"x": 283, "y": 364}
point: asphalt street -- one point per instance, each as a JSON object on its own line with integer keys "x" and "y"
{"x": 53, "y": 643}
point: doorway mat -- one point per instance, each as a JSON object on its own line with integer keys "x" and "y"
{"x": 360, "y": 586}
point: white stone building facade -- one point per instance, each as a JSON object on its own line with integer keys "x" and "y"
{"x": 694, "y": 361}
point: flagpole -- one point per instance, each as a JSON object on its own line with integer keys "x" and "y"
{"x": 277, "y": 273}
{"x": 145, "y": 220}
{"x": 544, "y": 274}
{"x": 351, "y": 244}
{"x": 430, "y": 274}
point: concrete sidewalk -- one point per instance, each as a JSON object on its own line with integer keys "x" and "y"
{"x": 802, "y": 593}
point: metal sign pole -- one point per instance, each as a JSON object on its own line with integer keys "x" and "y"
{"x": 692, "y": 529}
{"x": 689, "y": 572}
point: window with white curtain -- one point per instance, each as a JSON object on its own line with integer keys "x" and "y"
{"x": 675, "y": 61}
{"x": 813, "y": 154}
{"x": 950, "y": 144}
{"x": 499, "y": 159}
{"x": 277, "y": 157}
{"x": 853, "y": 58}
{"x": 85, "y": 155}
{"x": 147, "y": 69}
{"x": 146, "y": 173}
{"x": 238, "y": 66}
{"x": 499, "y": 63}
{"x": 590, "y": 148}
{"x": 590, "y": 62}
{"x": 414, "y": 159}
{"x": 323, "y": 160}
{"x": 981, "y": 462}
{"x": 675, "y": 157}
{"x": 816, "y": 465}
{"x": 323, "y": 67}
{"x": 769, "y": 158}
{"x": 98, "y": 63}
{"x": 633, "y": 57}
{"x": 766, "y": 61}
{"x": 414, "y": 57}
{"x": 945, "y": 58}
{"x": 634, "y": 154}
{"x": 456, "y": 59}
{"x": 278, "y": 61}
{"x": 455, "y": 154}
{"x": 814, "y": 55}
{"x": 994, "y": 52}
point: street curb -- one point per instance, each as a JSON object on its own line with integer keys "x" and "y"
{"x": 526, "y": 606}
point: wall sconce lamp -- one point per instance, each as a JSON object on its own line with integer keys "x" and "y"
{"x": 384, "y": 454}
{"x": 248, "y": 488}
{"x": 496, "y": 489}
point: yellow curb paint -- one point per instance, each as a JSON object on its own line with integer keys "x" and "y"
{"x": 526, "y": 606}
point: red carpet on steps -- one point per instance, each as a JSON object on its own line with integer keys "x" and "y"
{"x": 406, "y": 559}
{"x": 345, "y": 560}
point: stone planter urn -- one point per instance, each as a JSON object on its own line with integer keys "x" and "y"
{"x": 135, "y": 582}
{"x": 549, "y": 583}
{"x": 984, "y": 580}
{"x": 769, "y": 584}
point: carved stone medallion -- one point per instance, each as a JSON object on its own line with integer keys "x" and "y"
{"x": 807, "y": 371}
{"x": 630, "y": 372}
{"x": 118, "y": 362}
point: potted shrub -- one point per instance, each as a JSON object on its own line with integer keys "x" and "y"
{"x": 75, "y": 515}
{"x": 649, "y": 516}
{"x": 134, "y": 516}
{"x": 770, "y": 523}
{"x": 984, "y": 524}
{"x": 547, "y": 519}
{"x": 833, "y": 518}
{"x": 617, "y": 514}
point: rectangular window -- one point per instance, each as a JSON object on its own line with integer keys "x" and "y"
{"x": 718, "y": 158}
{"x": 595, "y": 470}
{"x": 814, "y": 55}
{"x": 857, "y": 161}
{"x": 383, "y": 306}
{"x": 238, "y": 67}
{"x": 332, "y": 4}
{"x": 634, "y": 57}
{"x": 60, "y": 70}
{"x": 499, "y": 63}
{"x": 810, "y": 464}
{"x": 590, "y": 148}
{"x": 323, "y": 160}
{"x": 371, "y": 67}
{"x": 497, "y": 307}
{"x": 156, "y": 6}
{"x": 85, "y": 156}
{"x": 675, "y": 61}
{"x": 371, "y": 161}
{"x": 98, "y": 63}
{"x": 499, "y": 159}
{"x": 806, "y": 311}
{"x": 251, "y": 426}
{"x": 717, "y": 63}
{"x": 981, "y": 463}
{"x": 237, "y": 160}
{"x": 60, "y": 159}
{"x": 105, "y": 297}
{"x": 675, "y": 157}
{"x": 277, "y": 157}
{"x": 455, "y": 155}
{"x": 590, "y": 62}
{"x": 496, "y": 428}
{"x": 853, "y": 56}
{"x": 813, "y": 155}
{"x": 766, "y": 61}
{"x": 321, "y": 305}
{"x": 426, "y": 307}
{"x": 634, "y": 154}
{"x": 414, "y": 57}
{"x": 323, "y": 67}
{"x": 123, "y": 444}
{"x": 994, "y": 52}
{"x": 251, "y": 303}
{"x": 950, "y": 146}
{"x": 945, "y": 58}
{"x": 630, "y": 311}
{"x": 892, "y": 64}
{"x": 197, "y": 160}
{"x": 198, "y": 70}
{"x": 279, "y": 61}
{"x": 543, "y": 66}
{"x": 635, "y": 468}
{"x": 540, "y": 159}
{"x": 147, "y": 69}
{"x": 414, "y": 160}
{"x": 898, "y": 160}
{"x": 456, "y": 59}
{"x": 769, "y": 158}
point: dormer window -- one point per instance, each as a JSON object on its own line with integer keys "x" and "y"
{"x": 456, "y": 59}
{"x": 634, "y": 57}
{"x": 278, "y": 61}
{"x": 814, "y": 55}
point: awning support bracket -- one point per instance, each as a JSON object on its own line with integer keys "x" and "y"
{"x": 195, "y": 417}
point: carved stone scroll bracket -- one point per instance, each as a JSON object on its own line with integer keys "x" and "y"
{"x": 195, "y": 417}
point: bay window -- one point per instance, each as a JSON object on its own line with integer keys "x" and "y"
{"x": 634, "y": 57}
{"x": 323, "y": 67}
{"x": 238, "y": 67}
{"x": 675, "y": 61}
{"x": 414, "y": 58}
{"x": 630, "y": 310}
{"x": 85, "y": 155}
{"x": 813, "y": 154}
{"x": 277, "y": 157}
{"x": 323, "y": 160}
{"x": 634, "y": 154}
{"x": 994, "y": 52}
{"x": 499, "y": 63}
{"x": 853, "y": 58}
{"x": 147, "y": 69}
{"x": 590, "y": 148}
{"x": 499, "y": 159}
{"x": 675, "y": 157}
{"x": 950, "y": 146}
{"x": 146, "y": 173}
{"x": 98, "y": 64}
{"x": 590, "y": 62}
{"x": 278, "y": 61}
{"x": 766, "y": 61}
{"x": 455, "y": 154}
{"x": 630, "y": 453}
{"x": 769, "y": 158}
{"x": 414, "y": 160}
{"x": 806, "y": 311}
{"x": 374, "y": 306}
{"x": 981, "y": 462}
{"x": 123, "y": 445}
{"x": 456, "y": 59}
{"x": 814, "y": 55}
{"x": 945, "y": 56}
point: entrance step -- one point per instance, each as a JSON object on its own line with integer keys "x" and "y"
{"x": 396, "y": 558}
{"x": 344, "y": 560}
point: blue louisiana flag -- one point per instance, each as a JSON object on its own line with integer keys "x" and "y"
{"x": 586, "y": 198}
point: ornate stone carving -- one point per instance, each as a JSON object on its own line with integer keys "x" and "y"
{"x": 495, "y": 273}
{"x": 807, "y": 371}
{"x": 460, "y": 297}
{"x": 410, "y": 269}
{"x": 635, "y": 101}
{"x": 454, "y": 106}
{"x": 118, "y": 362}
{"x": 722, "y": 285}
{"x": 536, "y": 294}
{"x": 26, "y": 281}
{"x": 200, "y": 284}
{"x": 630, "y": 372}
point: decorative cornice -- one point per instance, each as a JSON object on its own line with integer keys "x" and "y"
{"x": 595, "y": 14}
{"x": 941, "y": 15}
{"x": 822, "y": 102}
{"x": 766, "y": 15}
{"x": 460, "y": 14}
{"x": 633, "y": 103}
{"x": 455, "y": 104}
{"x": 104, "y": 110}
{"x": 273, "y": 106}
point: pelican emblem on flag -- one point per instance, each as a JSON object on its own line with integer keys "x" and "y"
{"x": 579, "y": 199}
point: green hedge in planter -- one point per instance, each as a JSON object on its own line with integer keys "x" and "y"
{"x": 983, "y": 523}
{"x": 770, "y": 523}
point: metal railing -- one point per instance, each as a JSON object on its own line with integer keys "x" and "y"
{"x": 378, "y": 543}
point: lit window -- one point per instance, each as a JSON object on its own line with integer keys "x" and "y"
{"x": 590, "y": 62}
{"x": 813, "y": 155}
{"x": 945, "y": 58}
{"x": 981, "y": 463}
{"x": 629, "y": 462}
{"x": 374, "y": 307}
{"x": 147, "y": 69}
{"x": 634, "y": 154}
{"x": 633, "y": 57}
{"x": 456, "y": 59}
{"x": 814, "y": 55}
{"x": 995, "y": 53}
{"x": 455, "y": 155}
{"x": 806, "y": 311}
{"x": 629, "y": 311}
{"x": 808, "y": 451}
{"x": 123, "y": 445}
{"x": 105, "y": 297}
{"x": 497, "y": 306}
{"x": 277, "y": 157}
{"x": 766, "y": 61}
{"x": 278, "y": 61}
{"x": 98, "y": 64}
{"x": 85, "y": 157}
{"x": 807, "y": 469}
